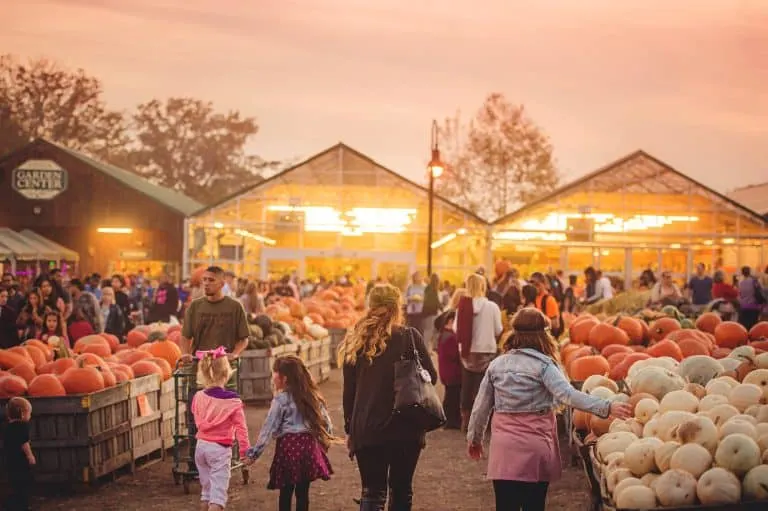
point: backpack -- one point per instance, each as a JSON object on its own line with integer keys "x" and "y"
{"x": 556, "y": 288}
{"x": 556, "y": 331}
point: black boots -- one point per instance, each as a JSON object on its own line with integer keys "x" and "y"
{"x": 369, "y": 504}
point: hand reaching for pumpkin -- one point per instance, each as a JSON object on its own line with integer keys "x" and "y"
{"x": 621, "y": 410}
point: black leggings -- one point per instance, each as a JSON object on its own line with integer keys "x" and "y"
{"x": 302, "y": 497}
{"x": 520, "y": 496}
{"x": 388, "y": 466}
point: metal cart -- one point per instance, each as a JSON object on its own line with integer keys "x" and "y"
{"x": 184, "y": 442}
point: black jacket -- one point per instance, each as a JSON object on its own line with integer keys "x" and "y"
{"x": 116, "y": 323}
{"x": 369, "y": 395}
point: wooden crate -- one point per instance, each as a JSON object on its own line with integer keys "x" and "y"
{"x": 337, "y": 335}
{"x": 315, "y": 351}
{"x": 167, "y": 396}
{"x": 145, "y": 420}
{"x": 304, "y": 351}
{"x": 78, "y": 439}
{"x": 255, "y": 373}
{"x": 168, "y": 425}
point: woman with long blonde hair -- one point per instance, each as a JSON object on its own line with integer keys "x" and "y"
{"x": 522, "y": 388}
{"x": 387, "y": 447}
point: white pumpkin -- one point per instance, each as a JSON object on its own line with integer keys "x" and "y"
{"x": 650, "y": 479}
{"x": 730, "y": 364}
{"x": 738, "y": 453}
{"x": 730, "y": 380}
{"x": 721, "y": 413}
{"x": 743, "y": 354}
{"x": 761, "y": 428}
{"x": 645, "y": 409}
{"x": 711, "y": 400}
{"x": 765, "y": 457}
{"x": 613, "y": 478}
{"x": 662, "y": 455}
{"x": 636, "y": 497}
{"x": 602, "y": 393}
{"x": 630, "y": 425}
{"x": 676, "y": 488}
{"x": 762, "y": 442}
{"x": 758, "y": 377}
{"x": 668, "y": 363}
{"x": 655, "y": 381}
{"x": 699, "y": 369}
{"x": 755, "y": 484}
{"x": 620, "y": 398}
{"x": 598, "y": 380}
{"x": 669, "y": 420}
{"x": 613, "y": 442}
{"x": 698, "y": 430}
{"x": 693, "y": 458}
{"x": 762, "y": 414}
{"x": 638, "y": 457}
{"x": 679, "y": 400}
{"x": 697, "y": 390}
{"x": 651, "y": 428}
{"x": 761, "y": 361}
{"x": 718, "y": 387}
{"x": 744, "y": 395}
{"x": 718, "y": 486}
{"x": 744, "y": 417}
{"x": 613, "y": 461}
{"x": 736, "y": 425}
{"x": 624, "y": 484}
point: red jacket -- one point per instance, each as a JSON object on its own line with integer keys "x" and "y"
{"x": 448, "y": 358}
{"x": 724, "y": 291}
{"x": 465, "y": 315}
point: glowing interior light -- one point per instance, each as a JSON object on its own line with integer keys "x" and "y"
{"x": 675, "y": 245}
{"x": 729, "y": 241}
{"x": 708, "y": 242}
{"x": 603, "y": 222}
{"x": 354, "y": 222}
{"x": 115, "y": 230}
{"x": 218, "y": 225}
{"x": 605, "y": 252}
{"x": 445, "y": 239}
{"x": 249, "y": 234}
{"x": 529, "y": 236}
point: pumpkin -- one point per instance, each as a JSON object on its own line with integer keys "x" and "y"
{"x": 101, "y": 350}
{"x": 47, "y": 350}
{"x": 744, "y": 395}
{"x": 131, "y": 357}
{"x": 57, "y": 366}
{"x": 737, "y": 425}
{"x": 679, "y": 400}
{"x": 38, "y": 356}
{"x": 720, "y": 353}
{"x": 759, "y": 332}
{"x": 613, "y": 442}
{"x": 758, "y": 377}
{"x": 46, "y": 385}
{"x": 638, "y": 457}
{"x": 135, "y": 338}
{"x": 581, "y": 420}
{"x": 676, "y": 488}
{"x": 620, "y": 371}
{"x": 662, "y": 327}
{"x": 164, "y": 366}
{"x": 730, "y": 334}
{"x": 145, "y": 368}
{"x": 112, "y": 340}
{"x": 595, "y": 381}
{"x": 89, "y": 359}
{"x": 9, "y": 358}
{"x": 636, "y": 398}
{"x": 166, "y": 350}
{"x": 21, "y": 351}
{"x": 584, "y": 367}
{"x": 738, "y": 453}
{"x": 82, "y": 379}
{"x": 711, "y": 400}
{"x": 12, "y": 386}
{"x": 25, "y": 371}
{"x": 89, "y": 340}
{"x": 662, "y": 454}
{"x": 717, "y": 486}
{"x": 656, "y": 381}
{"x": 613, "y": 349}
{"x": 692, "y": 347}
{"x": 584, "y": 351}
{"x": 603, "y": 335}
{"x": 631, "y": 327}
{"x": 693, "y": 458}
{"x": 699, "y": 369}
{"x": 599, "y": 426}
{"x": 579, "y": 330}
{"x": 636, "y": 497}
{"x": 697, "y": 430}
{"x": 708, "y": 321}
{"x": 110, "y": 380}
{"x": 756, "y": 483}
{"x": 666, "y": 348}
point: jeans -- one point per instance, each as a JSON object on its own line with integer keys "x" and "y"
{"x": 451, "y": 402}
{"x": 749, "y": 317}
{"x": 520, "y": 496}
{"x": 213, "y": 463}
{"x": 392, "y": 466}
{"x": 20, "y": 482}
{"x": 302, "y": 497}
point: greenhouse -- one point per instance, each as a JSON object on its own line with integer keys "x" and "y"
{"x": 340, "y": 212}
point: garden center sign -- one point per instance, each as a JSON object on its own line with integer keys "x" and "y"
{"x": 39, "y": 179}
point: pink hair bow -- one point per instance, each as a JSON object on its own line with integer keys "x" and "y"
{"x": 221, "y": 351}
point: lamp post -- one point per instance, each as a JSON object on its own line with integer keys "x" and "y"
{"x": 435, "y": 169}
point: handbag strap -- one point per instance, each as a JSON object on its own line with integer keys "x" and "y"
{"x": 412, "y": 344}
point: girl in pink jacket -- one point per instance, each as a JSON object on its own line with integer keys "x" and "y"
{"x": 220, "y": 418}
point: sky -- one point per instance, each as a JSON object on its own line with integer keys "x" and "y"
{"x": 685, "y": 80}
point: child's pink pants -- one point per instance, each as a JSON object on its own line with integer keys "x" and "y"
{"x": 213, "y": 466}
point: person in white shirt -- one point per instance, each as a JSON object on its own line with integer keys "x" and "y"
{"x": 603, "y": 289}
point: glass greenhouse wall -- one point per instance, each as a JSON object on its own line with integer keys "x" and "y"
{"x": 337, "y": 213}
{"x": 635, "y": 214}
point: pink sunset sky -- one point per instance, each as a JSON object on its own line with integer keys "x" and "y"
{"x": 686, "y": 80}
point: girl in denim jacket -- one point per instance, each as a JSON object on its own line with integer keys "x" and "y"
{"x": 299, "y": 420}
{"x": 522, "y": 388}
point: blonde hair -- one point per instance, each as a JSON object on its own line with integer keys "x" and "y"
{"x": 476, "y": 285}
{"x": 370, "y": 335}
{"x": 213, "y": 372}
{"x": 457, "y": 295}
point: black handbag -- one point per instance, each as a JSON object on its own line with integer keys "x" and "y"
{"x": 416, "y": 399}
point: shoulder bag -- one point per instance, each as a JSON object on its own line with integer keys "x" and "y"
{"x": 415, "y": 397}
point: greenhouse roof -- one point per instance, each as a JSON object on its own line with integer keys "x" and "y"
{"x": 638, "y": 173}
{"x": 754, "y": 197}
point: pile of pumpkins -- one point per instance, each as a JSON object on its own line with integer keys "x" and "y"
{"x": 611, "y": 346}
{"x": 94, "y": 363}
{"x": 699, "y": 433}
{"x": 338, "y": 307}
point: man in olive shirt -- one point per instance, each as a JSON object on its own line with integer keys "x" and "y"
{"x": 214, "y": 320}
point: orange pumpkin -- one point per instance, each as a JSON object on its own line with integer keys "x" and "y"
{"x": 636, "y": 398}
{"x": 662, "y": 327}
{"x": 581, "y": 352}
{"x": 89, "y": 340}
{"x": 708, "y": 321}
{"x": 579, "y": 329}
{"x": 131, "y": 357}
{"x": 101, "y": 350}
{"x": 12, "y": 386}
{"x": 166, "y": 350}
{"x": 730, "y": 334}
{"x": 599, "y": 426}
{"x": 10, "y": 358}
{"x": 620, "y": 371}
{"x": 719, "y": 353}
{"x": 612, "y": 349}
{"x": 665, "y": 348}
{"x": 25, "y": 371}
{"x": 37, "y": 355}
{"x": 112, "y": 340}
{"x": 616, "y": 358}
{"x": 175, "y": 337}
{"x": 110, "y": 380}
{"x": 760, "y": 345}
{"x": 145, "y": 368}
{"x": 42, "y": 347}
{"x": 759, "y": 332}
{"x": 646, "y": 331}
{"x": 631, "y": 327}
{"x": 567, "y": 349}
{"x": 581, "y": 420}
{"x": 316, "y": 318}
{"x": 164, "y": 366}
{"x": 90, "y": 359}
{"x": 46, "y": 385}
{"x": 691, "y": 347}
{"x": 135, "y": 338}
{"x": 122, "y": 372}
{"x": 584, "y": 367}
{"x": 124, "y": 347}
{"x": 82, "y": 380}
{"x": 604, "y": 334}
{"x": 57, "y": 366}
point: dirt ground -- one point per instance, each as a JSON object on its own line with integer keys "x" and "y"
{"x": 446, "y": 479}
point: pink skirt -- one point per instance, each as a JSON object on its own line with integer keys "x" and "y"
{"x": 524, "y": 447}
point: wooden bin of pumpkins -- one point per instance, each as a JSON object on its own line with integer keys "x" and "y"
{"x": 272, "y": 338}
{"x": 95, "y": 408}
{"x": 699, "y": 435}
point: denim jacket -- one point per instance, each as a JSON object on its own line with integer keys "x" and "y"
{"x": 283, "y": 418}
{"x": 526, "y": 381}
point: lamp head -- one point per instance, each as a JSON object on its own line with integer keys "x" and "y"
{"x": 436, "y": 166}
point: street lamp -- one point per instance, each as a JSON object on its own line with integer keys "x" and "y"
{"x": 435, "y": 169}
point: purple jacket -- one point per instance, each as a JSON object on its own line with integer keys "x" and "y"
{"x": 448, "y": 358}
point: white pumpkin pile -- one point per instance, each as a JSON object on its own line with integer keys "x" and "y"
{"x": 699, "y": 435}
